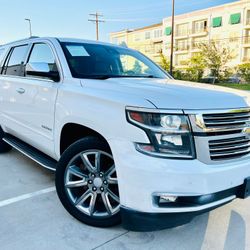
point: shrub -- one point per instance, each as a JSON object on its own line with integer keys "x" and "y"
{"x": 244, "y": 71}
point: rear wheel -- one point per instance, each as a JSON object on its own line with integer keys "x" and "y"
{"x": 87, "y": 185}
{"x": 4, "y": 147}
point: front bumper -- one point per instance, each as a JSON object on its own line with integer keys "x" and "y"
{"x": 196, "y": 205}
{"x": 140, "y": 177}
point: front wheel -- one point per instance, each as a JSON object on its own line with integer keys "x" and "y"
{"x": 87, "y": 185}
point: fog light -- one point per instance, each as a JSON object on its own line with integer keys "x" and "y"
{"x": 167, "y": 199}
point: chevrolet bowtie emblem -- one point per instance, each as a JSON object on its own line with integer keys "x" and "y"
{"x": 247, "y": 131}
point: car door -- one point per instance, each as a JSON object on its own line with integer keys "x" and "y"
{"x": 34, "y": 102}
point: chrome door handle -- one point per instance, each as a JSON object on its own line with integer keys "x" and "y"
{"x": 20, "y": 91}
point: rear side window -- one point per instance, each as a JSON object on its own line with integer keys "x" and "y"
{"x": 16, "y": 60}
{"x": 1, "y": 59}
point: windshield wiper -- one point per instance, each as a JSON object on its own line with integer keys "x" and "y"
{"x": 105, "y": 77}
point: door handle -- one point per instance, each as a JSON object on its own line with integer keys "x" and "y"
{"x": 20, "y": 91}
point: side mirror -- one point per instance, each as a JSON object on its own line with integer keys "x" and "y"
{"x": 42, "y": 70}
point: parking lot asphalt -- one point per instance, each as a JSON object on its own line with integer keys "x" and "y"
{"x": 32, "y": 218}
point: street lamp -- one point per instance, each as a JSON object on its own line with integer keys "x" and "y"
{"x": 28, "y": 20}
{"x": 172, "y": 39}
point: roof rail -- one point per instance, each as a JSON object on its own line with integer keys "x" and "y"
{"x": 24, "y": 39}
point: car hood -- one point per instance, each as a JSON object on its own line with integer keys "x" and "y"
{"x": 174, "y": 94}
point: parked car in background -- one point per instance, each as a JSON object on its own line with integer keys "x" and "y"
{"x": 128, "y": 142}
{"x": 234, "y": 79}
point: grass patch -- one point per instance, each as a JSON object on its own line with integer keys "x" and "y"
{"x": 236, "y": 86}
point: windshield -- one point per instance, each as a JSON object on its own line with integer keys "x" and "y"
{"x": 97, "y": 61}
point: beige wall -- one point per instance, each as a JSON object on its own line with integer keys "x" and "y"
{"x": 229, "y": 35}
{"x": 147, "y": 40}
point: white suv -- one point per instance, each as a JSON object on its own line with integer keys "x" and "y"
{"x": 127, "y": 141}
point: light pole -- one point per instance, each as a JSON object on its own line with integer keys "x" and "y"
{"x": 28, "y": 20}
{"x": 172, "y": 38}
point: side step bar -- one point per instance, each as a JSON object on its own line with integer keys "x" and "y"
{"x": 31, "y": 152}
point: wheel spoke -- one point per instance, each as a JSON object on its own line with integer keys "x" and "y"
{"x": 113, "y": 196}
{"x": 74, "y": 170}
{"x": 74, "y": 184}
{"x": 106, "y": 202}
{"x": 109, "y": 173}
{"x": 98, "y": 161}
{"x": 83, "y": 198}
{"x": 87, "y": 163}
{"x": 92, "y": 203}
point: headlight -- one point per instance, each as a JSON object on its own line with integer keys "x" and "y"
{"x": 169, "y": 134}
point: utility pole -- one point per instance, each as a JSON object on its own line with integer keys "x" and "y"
{"x": 172, "y": 39}
{"x": 28, "y": 20}
{"x": 96, "y": 21}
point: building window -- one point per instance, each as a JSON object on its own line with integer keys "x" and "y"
{"x": 197, "y": 42}
{"x": 246, "y": 55}
{"x": 217, "y": 22}
{"x": 182, "y": 45}
{"x": 235, "y": 18}
{"x": 147, "y": 35}
{"x": 200, "y": 26}
{"x": 168, "y": 31}
{"x": 182, "y": 29}
{"x": 247, "y": 37}
{"x": 158, "y": 33}
{"x": 181, "y": 60}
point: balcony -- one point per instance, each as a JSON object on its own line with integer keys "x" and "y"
{"x": 182, "y": 48}
{"x": 247, "y": 24}
{"x": 199, "y": 32}
{"x": 181, "y": 34}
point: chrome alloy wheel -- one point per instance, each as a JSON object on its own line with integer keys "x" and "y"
{"x": 91, "y": 183}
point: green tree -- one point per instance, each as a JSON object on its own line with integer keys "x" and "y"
{"x": 196, "y": 67}
{"x": 216, "y": 57}
{"x": 165, "y": 63}
{"x": 244, "y": 71}
{"x": 137, "y": 69}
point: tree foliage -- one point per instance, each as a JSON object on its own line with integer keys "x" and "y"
{"x": 165, "y": 63}
{"x": 244, "y": 71}
{"x": 216, "y": 57}
{"x": 196, "y": 67}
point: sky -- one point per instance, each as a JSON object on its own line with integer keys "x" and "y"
{"x": 64, "y": 18}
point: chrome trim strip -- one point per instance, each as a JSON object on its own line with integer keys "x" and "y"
{"x": 26, "y": 154}
{"x": 215, "y": 111}
{"x": 154, "y": 110}
{"x": 196, "y": 208}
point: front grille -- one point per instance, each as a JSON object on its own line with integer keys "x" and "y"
{"x": 229, "y": 148}
{"x": 228, "y": 121}
{"x": 223, "y": 134}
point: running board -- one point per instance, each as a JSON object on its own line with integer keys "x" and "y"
{"x": 31, "y": 152}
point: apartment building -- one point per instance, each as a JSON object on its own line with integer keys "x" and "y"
{"x": 228, "y": 25}
{"x": 148, "y": 40}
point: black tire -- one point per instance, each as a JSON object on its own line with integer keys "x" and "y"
{"x": 83, "y": 145}
{"x": 4, "y": 147}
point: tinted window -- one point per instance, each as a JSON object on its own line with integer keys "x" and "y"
{"x": 103, "y": 61}
{"x": 41, "y": 53}
{"x": 16, "y": 61}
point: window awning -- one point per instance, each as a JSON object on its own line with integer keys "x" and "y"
{"x": 168, "y": 31}
{"x": 235, "y": 18}
{"x": 217, "y": 22}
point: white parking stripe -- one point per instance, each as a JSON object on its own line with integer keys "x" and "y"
{"x": 26, "y": 196}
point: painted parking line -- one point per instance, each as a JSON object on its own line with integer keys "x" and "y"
{"x": 26, "y": 196}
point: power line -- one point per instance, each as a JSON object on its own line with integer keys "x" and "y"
{"x": 96, "y": 21}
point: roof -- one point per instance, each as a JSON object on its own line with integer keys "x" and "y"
{"x": 61, "y": 39}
